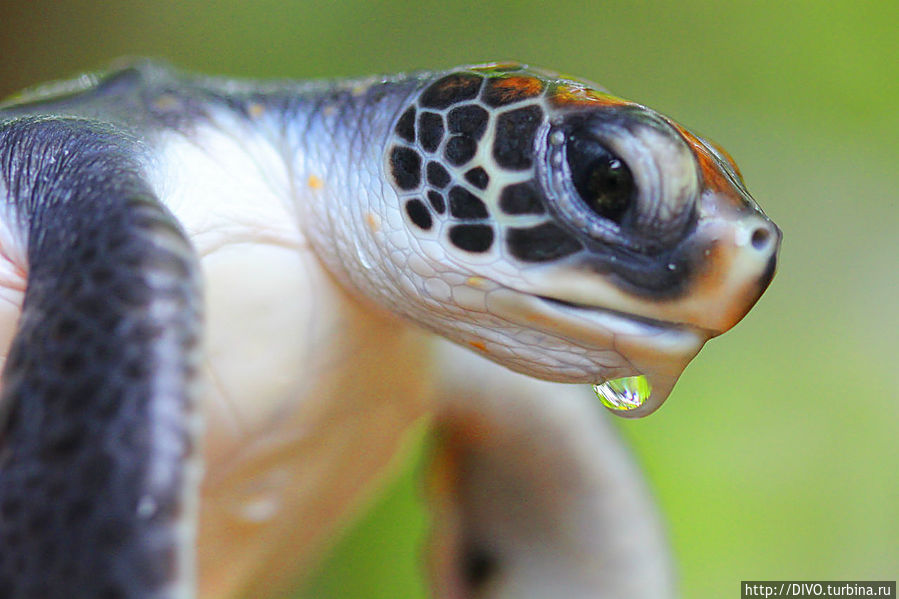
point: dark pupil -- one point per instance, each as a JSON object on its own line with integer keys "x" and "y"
{"x": 602, "y": 179}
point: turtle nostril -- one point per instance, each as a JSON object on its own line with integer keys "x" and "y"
{"x": 761, "y": 238}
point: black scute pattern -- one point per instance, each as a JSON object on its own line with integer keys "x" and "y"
{"x": 514, "y": 144}
{"x": 96, "y": 390}
{"x": 405, "y": 164}
{"x": 437, "y": 175}
{"x": 460, "y": 149}
{"x": 470, "y": 120}
{"x": 478, "y": 177}
{"x": 437, "y": 201}
{"x": 405, "y": 126}
{"x": 419, "y": 214}
{"x": 541, "y": 243}
{"x": 430, "y": 130}
{"x": 464, "y": 204}
{"x": 472, "y": 238}
{"x": 520, "y": 198}
{"x": 451, "y": 89}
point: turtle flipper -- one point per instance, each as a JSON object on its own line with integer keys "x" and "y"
{"x": 98, "y": 444}
{"x": 533, "y": 494}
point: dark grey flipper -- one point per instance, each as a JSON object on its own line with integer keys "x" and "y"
{"x": 97, "y": 490}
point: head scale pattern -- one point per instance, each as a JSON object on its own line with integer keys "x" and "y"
{"x": 572, "y": 233}
{"x": 462, "y": 161}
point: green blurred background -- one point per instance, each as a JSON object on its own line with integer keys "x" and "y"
{"x": 776, "y": 457}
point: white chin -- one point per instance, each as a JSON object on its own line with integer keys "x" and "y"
{"x": 624, "y": 345}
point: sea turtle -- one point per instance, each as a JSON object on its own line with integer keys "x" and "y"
{"x": 326, "y": 230}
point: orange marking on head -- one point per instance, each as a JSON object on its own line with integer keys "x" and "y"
{"x": 708, "y": 164}
{"x": 566, "y": 94}
{"x": 315, "y": 182}
{"x": 727, "y": 156}
{"x": 516, "y": 87}
{"x": 707, "y": 288}
{"x": 479, "y": 345}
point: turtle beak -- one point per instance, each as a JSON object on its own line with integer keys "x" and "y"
{"x": 739, "y": 247}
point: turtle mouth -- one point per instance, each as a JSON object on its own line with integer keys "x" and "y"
{"x": 620, "y": 344}
{"x": 645, "y": 321}
{"x": 593, "y": 323}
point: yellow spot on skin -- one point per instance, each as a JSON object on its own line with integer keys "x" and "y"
{"x": 256, "y": 110}
{"x": 373, "y": 222}
{"x": 315, "y": 182}
{"x": 476, "y": 282}
{"x": 166, "y": 102}
{"x": 479, "y": 345}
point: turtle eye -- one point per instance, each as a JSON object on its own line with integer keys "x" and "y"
{"x": 601, "y": 178}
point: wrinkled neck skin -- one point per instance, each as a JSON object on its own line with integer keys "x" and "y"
{"x": 336, "y": 144}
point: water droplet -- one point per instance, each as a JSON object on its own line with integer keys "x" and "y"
{"x": 557, "y": 138}
{"x": 621, "y": 395}
{"x": 672, "y": 266}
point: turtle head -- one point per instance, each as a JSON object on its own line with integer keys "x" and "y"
{"x": 573, "y": 236}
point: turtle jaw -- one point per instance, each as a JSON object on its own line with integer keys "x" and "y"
{"x": 625, "y": 344}
{"x": 729, "y": 261}
{"x": 657, "y": 350}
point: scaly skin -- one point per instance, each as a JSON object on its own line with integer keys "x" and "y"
{"x": 554, "y": 229}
